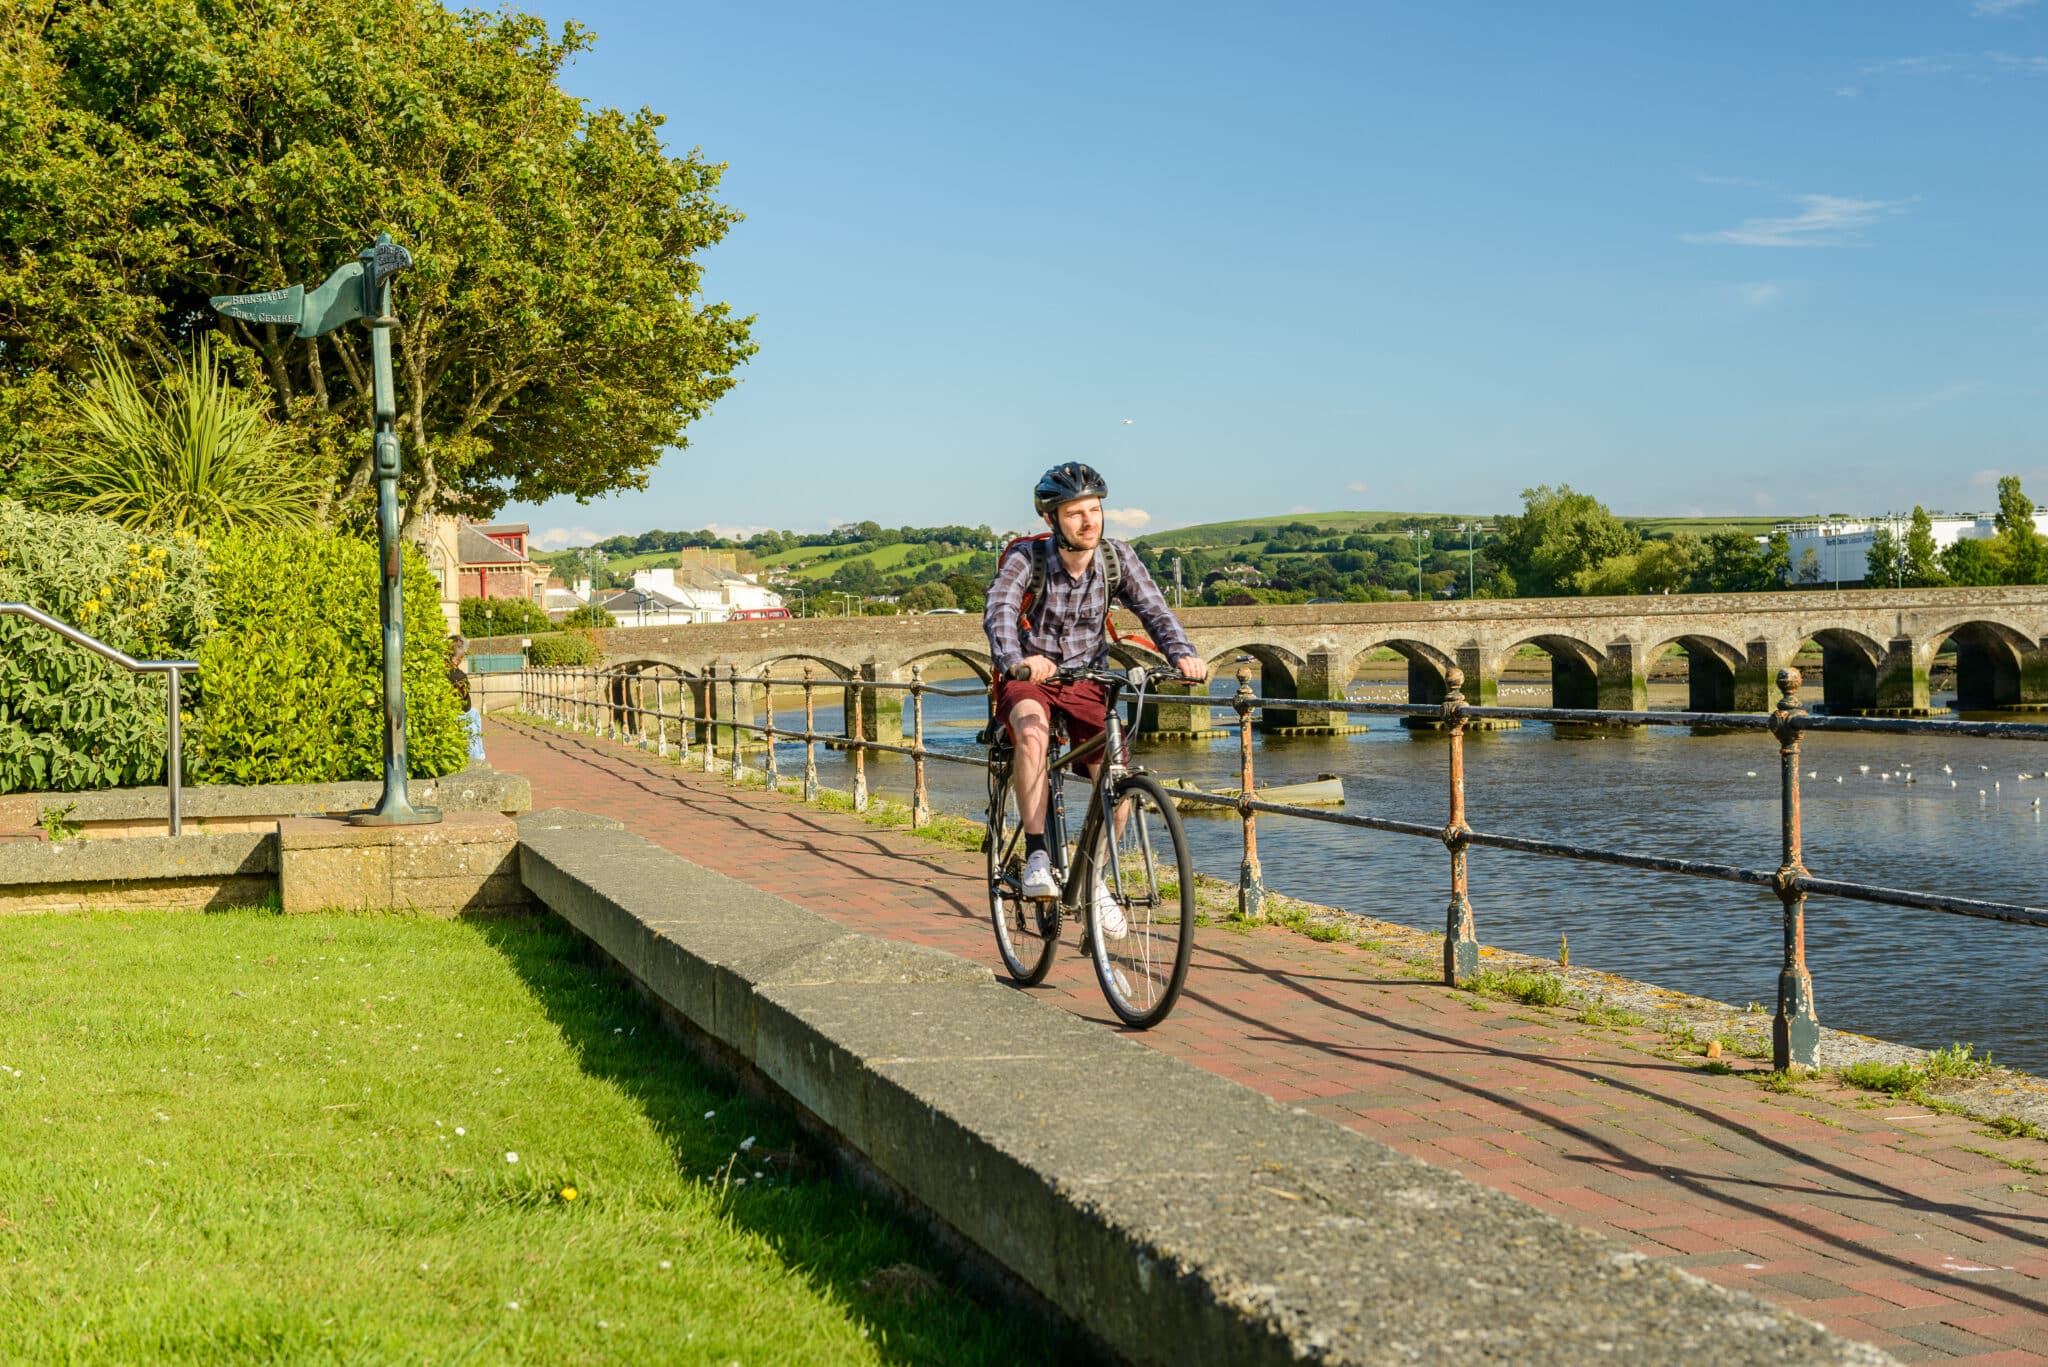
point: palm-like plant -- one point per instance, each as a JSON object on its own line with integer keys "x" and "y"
{"x": 190, "y": 453}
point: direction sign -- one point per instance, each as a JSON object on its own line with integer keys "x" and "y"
{"x": 338, "y": 300}
{"x": 284, "y": 306}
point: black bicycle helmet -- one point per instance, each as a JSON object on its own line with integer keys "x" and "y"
{"x": 1065, "y": 483}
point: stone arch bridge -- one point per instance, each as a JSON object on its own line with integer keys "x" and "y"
{"x": 1876, "y": 646}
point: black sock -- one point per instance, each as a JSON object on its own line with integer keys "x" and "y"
{"x": 1033, "y": 844}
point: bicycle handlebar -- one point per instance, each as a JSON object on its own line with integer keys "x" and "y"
{"x": 1021, "y": 673}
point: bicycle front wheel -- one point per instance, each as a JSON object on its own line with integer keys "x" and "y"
{"x": 1145, "y": 887}
{"x": 1027, "y": 932}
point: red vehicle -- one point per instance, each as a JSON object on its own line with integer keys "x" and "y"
{"x": 759, "y": 615}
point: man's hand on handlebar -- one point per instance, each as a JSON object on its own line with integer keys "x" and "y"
{"x": 1035, "y": 668}
{"x": 1191, "y": 668}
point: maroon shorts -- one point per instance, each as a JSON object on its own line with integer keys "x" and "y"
{"x": 1080, "y": 703}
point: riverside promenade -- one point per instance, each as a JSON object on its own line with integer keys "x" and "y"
{"x": 1917, "y": 1233}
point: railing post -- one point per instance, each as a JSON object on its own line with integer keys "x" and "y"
{"x": 858, "y": 740}
{"x": 1251, "y": 883}
{"x": 920, "y": 796}
{"x": 768, "y": 717}
{"x": 174, "y": 760}
{"x": 660, "y": 715}
{"x": 710, "y": 691}
{"x": 733, "y": 771}
{"x": 810, "y": 749}
{"x": 1461, "y": 942}
{"x": 1795, "y": 1030}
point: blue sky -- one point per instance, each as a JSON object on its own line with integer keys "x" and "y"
{"x": 1706, "y": 258}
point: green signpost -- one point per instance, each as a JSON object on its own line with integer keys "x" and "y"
{"x": 362, "y": 289}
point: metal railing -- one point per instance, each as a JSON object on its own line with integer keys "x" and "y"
{"x": 596, "y": 701}
{"x": 170, "y": 669}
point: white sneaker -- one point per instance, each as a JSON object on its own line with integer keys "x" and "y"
{"x": 1109, "y": 917}
{"x": 1037, "y": 880}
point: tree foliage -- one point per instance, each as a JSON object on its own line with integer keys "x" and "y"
{"x": 555, "y": 336}
{"x": 190, "y": 452}
{"x": 2019, "y": 542}
{"x": 502, "y": 617}
{"x": 1560, "y": 534}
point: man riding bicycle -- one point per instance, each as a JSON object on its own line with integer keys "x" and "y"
{"x": 1048, "y": 610}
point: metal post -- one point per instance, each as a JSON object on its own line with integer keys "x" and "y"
{"x": 810, "y": 748}
{"x": 920, "y": 796}
{"x": 174, "y": 761}
{"x": 1251, "y": 884}
{"x": 768, "y": 716}
{"x": 1795, "y": 1030}
{"x": 733, "y": 770}
{"x": 660, "y": 714}
{"x": 857, "y": 739}
{"x": 1461, "y": 942}
{"x": 710, "y": 692}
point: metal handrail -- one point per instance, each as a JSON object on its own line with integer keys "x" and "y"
{"x": 171, "y": 669}
{"x": 560, "y": 695}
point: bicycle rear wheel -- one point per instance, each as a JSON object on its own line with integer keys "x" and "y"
{"x": 1153, "y": 889}
{"x": 1027, "y": 932}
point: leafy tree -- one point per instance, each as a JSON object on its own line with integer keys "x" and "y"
{"x": 2019, "y": 540}
{"x": 189, "y": 452}
{"x": 589, "y": 615}
{"x": 970, "y": 591}
{"x": 1808, "y": 571}
{"x": 1667, "y": 566}
{"x": 1972, "y": 562}
{"x": 1733, "y": 561}
{"x": 1559, "y": 534}
{"x": 555, "y": 336}
{"x": 1922, "y": 560}
{"x": 1881, "y": 565}
{"x": 502, "y": 617}
{"x": 925, "y": 597}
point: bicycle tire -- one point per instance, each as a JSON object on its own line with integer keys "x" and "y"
{"x": 1142, "y": 971}
{"x": 1026, "y": 950}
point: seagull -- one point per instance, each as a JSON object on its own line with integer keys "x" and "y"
{"x": 1911, "y": 779}
{"x": 1862, "y": 768}
{"x": 1750, "y": 774}
{"x": 1127, "y": 422}
{"x": 1886, "y": 777}
{"x": 1985, "y": 767}
{"x": 1946, "y": 770}
{"x": 1838, "y": 778}
{"x": 1951, "y": 783}
{"x": 2025, "y": 777}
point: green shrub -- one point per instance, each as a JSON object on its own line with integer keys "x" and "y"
{"x": 69, "y": 719}
{"x": 1531, "y": 989}
{"x": 503, "y": 617}
{"x": 562, "y": 648}
{"x": 589, "y": 615}
{"x": 292, "y": 679}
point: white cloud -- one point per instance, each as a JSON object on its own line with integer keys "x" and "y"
{"x": 2013, "y": 61}
{"x": 561, "y": 538}
{"x": 1759, "y": 294}
{"x": 1984, "y": 479}
{"x": 1993, "y": 9}
{"x": 1911, "y": 66}
{"x": 736, "y": 531}
{"x": 1358, "y": 486}
{"x": 1126, "y": 520}
{"x": 1823, "y": 221}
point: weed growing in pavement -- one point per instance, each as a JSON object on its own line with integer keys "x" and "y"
{"x": 1957, "y": 1063}
{"x": 1596, "y": 1011}
{"x": 2025, "y": 1165}
{"x": 1782, "y": 1081}
{"x": 1899, "y": 1079}
{"x": 2012, "y": 1127}
{"x": 1530, "y": 989}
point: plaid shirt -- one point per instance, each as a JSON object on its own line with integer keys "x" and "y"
{"x": 1067, "y": 617}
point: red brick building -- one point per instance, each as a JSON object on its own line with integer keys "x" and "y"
{"x": 494, "y": 564}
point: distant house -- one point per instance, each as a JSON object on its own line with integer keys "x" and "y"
{"x": 493, "y": 563}
{"x": 703, "y": 587}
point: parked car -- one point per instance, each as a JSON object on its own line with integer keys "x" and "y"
{"x": 759, "y": 615}
{"x": 943, "y": 612}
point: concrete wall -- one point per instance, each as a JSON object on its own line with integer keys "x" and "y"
{"x": 1177, "y": 1217}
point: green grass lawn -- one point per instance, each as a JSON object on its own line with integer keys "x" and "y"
{"x": 249, "y": 1137}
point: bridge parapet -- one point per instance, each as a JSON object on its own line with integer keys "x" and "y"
{"x": 1877, "y": 647}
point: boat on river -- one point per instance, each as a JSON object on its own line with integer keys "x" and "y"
{"x": 1326, "y": 790}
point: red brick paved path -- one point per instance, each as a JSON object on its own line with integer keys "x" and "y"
{"x": 1878, "y": 1221}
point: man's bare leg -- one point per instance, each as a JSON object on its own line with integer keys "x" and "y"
{"x": 1030, "y": 729}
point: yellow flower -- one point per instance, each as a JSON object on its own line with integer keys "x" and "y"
{"x": 568, "y": 1193}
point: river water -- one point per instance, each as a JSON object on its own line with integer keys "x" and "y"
{"x": 1922, "y": 978}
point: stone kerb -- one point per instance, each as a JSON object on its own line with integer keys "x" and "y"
{"x": 465, "y": 864}
{"x": 1177, "y": 1217}
{"x": 192, "y": 873}
{"x": 219, "y": 808}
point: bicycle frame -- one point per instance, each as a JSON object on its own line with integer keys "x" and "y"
{"x": 1114, "y": 745}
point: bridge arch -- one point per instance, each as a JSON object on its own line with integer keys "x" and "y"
{"x": 1849, "y": 663}
{"x": 1428, "y": 667}
{"x": 1574, "y": 667}
{"x": 1710, "y": 669}
{"x": 1990, "y": 660}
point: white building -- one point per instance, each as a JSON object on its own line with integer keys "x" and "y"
{"x": 693, "y": 593}
{"x": 1842, "y": 547}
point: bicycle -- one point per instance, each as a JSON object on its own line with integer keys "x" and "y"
{"x": 1141, "y": 971}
